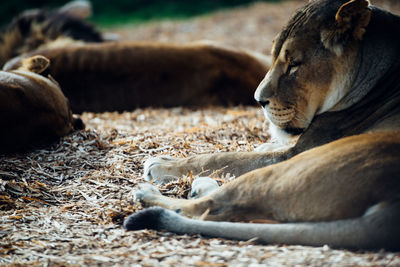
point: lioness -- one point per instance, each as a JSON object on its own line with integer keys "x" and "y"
{"x": 33, "y": 110}
{"x": 335, "y": 76}
{"x": 117, "y": 76}
{"x": 40, "y": 28}
{"x": 127, "y": 75}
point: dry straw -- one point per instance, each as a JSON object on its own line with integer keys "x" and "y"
{"x": 64, "y": 205}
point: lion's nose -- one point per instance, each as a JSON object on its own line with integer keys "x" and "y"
{"x": 263, "y": 103}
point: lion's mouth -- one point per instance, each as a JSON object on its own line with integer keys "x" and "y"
{"x": 284, "y": 118}
{"x": 280, "y": 116}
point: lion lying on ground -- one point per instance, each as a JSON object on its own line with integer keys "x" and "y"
{"x": 334, "y": 80}
{"x": 126, "y": 75}
{"x": 40, "y": 28}
{"x": 33, "y": 110}
{"x": 117, "y": 76}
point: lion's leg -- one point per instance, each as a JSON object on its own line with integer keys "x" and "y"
{"x": 233, "y": 201}
{"x": 319, "y": 184}
{"x": 149, "y": 195}
{"x": 164, "y": 169}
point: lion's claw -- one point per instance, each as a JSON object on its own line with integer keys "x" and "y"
{"x": 146, "y": 194}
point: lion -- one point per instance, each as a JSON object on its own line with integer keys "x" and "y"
{"x": 334, "y": 82}
{"x": 98, "y": 73}
{"x": 97, "y": 76}
{"x": 40, "y": 28}
{"x": 121, "y": 76}
{"x": 33, "y": 109}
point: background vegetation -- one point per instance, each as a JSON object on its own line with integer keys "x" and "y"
{"x": 108, "y": 12}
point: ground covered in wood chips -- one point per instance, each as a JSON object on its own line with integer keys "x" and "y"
{"x": 64, "y": 205}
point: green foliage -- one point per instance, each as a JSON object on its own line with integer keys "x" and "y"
{"x": 108, "y": 12}
{"x": 144, "y": 10}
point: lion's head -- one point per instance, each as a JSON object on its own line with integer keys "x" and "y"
{"x": 314, "y": 63}
{"x": 34, "y": 109}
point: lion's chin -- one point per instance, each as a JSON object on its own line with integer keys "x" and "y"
{"x": 289, "y": 127}
{"x": 293, "y": 130}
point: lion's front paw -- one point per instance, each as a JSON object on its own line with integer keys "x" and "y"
{"x": 161, "y": 170}
{"x": 203, "y": 186}
{"x": 147, "y": 194}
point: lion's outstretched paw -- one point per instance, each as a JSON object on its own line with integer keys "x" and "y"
{"x": 160, "y": 170}
{"x": 147, "y": 194}
{"x": 203, "y": 186}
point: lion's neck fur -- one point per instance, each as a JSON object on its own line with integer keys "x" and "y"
{"x": 378, "y": 61}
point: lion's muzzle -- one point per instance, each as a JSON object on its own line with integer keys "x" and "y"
{"x": 280, "y": 116}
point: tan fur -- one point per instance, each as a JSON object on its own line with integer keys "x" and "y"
{"x": 126, "y": 75}
{"x": 119, "y": 76}
{"x": 325, "y": 177}
{"x": 33, "y": 109}
{"x": 340, "y": 180}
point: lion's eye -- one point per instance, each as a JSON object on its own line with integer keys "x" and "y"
{"x": 292, "y": 67}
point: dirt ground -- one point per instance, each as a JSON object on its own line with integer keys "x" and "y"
{"x": 64, "y": 205}
{"x": 252, "y": 28}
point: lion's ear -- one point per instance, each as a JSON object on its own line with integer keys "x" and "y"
{"x": 355, "y": 16}
{"x": 36, "y": 64}
{"x": 350, "y": 22}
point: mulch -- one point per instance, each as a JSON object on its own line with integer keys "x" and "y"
{"x": 64, "y": 205}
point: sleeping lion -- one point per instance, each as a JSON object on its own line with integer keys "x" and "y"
{"x": 33, "y": 109}
{"x": 42, "y": 28}
{"x": 335, "y": 84}
{"x": 121, "y": 76}
{"x": 96, "y": 75}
